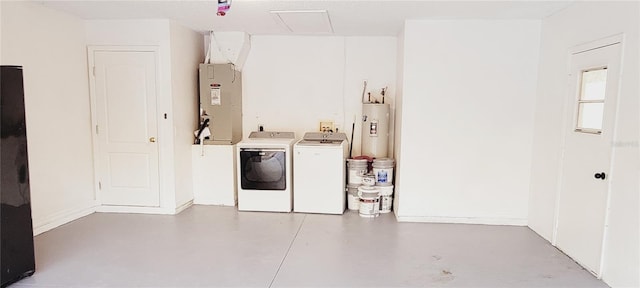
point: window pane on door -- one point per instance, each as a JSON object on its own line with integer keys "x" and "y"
{"x": 594, "y": 83}
{"x": 590, "y": 116}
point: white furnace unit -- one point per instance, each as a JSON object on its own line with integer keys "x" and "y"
{"x": 221, "y": 102}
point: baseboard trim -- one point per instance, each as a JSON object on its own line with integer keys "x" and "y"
{"x": 184, "y": 206}
{"x": 61, "y": 218}
{"x": 214, "y": 203}
{"x": 135, "y": 210}
{"x": 463, "y": 220}
{"x": 143, "y": 210}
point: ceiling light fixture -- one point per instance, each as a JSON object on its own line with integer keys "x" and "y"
{"x": 223, "y": 7}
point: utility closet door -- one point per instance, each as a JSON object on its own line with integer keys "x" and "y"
{"x": 583, "y": 202}
{"x": 125, "y": 100}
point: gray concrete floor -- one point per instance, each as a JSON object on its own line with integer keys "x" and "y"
{"x": 220, "y": 247}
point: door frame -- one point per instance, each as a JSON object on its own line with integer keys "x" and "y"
{"x": 91, "y": 49}
{"x": 568, "y": 118}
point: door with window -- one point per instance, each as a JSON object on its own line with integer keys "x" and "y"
{"x": 124, "y": 96}
{"x": 583, "y": 198}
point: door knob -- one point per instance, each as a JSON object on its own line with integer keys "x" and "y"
{"x": 600, "y": 175}
{"x": 152, "y": 139}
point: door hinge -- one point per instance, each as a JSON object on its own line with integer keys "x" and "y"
{"x": 97, "y": 130}
{"x": 99, "y": 185}
{"x": 94, "y": 71}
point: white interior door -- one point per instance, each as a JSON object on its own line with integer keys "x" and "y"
{"x": 125, "y": 101}
{"x": 594, "y": 77}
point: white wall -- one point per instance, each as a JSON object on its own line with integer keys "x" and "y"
{"x": 467, "y": 120}
{"x": 51, "y": 47}
{"x": 290, "y": 83}
{"x": 186, "y": 53}
{"x": 397, "y": 153}
{"x": 578, "y": 24}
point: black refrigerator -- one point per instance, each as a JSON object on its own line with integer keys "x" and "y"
{"x": 17, "y": 257}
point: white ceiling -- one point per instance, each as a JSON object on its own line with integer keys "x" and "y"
{"x": 348, "y": 17}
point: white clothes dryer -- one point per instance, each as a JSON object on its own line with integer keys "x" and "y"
{"x": 264, "y": 172}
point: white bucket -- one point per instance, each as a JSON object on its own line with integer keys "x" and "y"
{"x": 355, "y": 169}
{"x": 385, "y": 190}
{"x": 368, "y": 180}
{"x": 353, "y": 200}
{"x": 369, "y": 201}
{"x": 386, "y": 198}
{"x": 386, "y": 201}
{"x": 383, "y": 171}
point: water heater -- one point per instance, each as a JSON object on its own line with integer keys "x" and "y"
{"x": 375, "y": 129}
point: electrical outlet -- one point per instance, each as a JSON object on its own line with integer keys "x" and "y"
{"x": 326, "y": 126}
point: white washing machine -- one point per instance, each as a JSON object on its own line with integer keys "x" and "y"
{"x": 319, "y": 173}
{"x": 264, "y": 172}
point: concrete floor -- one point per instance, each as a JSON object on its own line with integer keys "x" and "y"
{"x": 220, "y": 247}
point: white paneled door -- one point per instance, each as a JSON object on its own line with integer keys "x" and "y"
{"x": 124, "y": 85}
{"x": 582, "y": 208}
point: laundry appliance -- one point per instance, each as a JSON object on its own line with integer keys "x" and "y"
{"x": 319, "y": 173}
{"x": 264, "y": 172}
